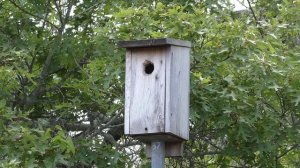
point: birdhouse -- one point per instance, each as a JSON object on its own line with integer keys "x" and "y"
{"x": 157, "y": 89}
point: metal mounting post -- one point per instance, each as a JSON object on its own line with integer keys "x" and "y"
{"x": 157, "y": 154}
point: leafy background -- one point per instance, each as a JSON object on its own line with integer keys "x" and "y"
{"x": 62, "y": 81}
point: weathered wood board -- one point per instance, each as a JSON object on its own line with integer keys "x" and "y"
{"x": 177, "y": 92}
{"x": 146, "y": 92}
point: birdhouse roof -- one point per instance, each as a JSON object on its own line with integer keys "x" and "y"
{"x": 154, "y": 43}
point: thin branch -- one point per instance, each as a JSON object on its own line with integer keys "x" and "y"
{"x": 59, "y": 11}
{"x": 76, "y": 127}
{"x": 207, "y": 141}
{"x": 62, "y": 27}
{"x": 131, "y": 143}
{"x": 241, "y": 3}
{"x": 252, "y": 11}
{"x": 67, "y": 75}
{"x": 32, "y": 63}
{"x": 213, "y": 64}
{"x": 109, "y": 138}
{"x": 287, "y": 151}
{"x": 39, "y": 89}
{"x": 31, "y": 14}
{"x": 255, "y": 18}
{"x": 278, "y": 94}
{"x": 114, "y": 126}
{"x": 90, "y": 8}
{"x": 269, "y": 105}
{"x": 67, "y": 16}
{"x": 201, "y": 154}
{"x": 114, "y": 118}
{"x": 56, "y": 71}
{"x": 46, "y": 15}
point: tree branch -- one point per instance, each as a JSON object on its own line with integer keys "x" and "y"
{"x": 40, "y": 89}
{"x": 288, "y": 150}
{"x": 59, "y": 12}
{"x": 269, "y": 105}
{"x": 252, "y": 11}
{"x": 114, "y": 118}
{"x": 77, "y": 127}
{"x": 31, "y": 14}
{"x": 210, "y": 143}
{"x": 255, "y": 18}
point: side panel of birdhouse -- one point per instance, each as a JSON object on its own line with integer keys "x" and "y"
{"x": 145, "y": 96}
{"x": 177, "y": 91}
{"x": 127, "y": 91}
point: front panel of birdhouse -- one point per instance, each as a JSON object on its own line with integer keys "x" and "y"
{"x": 145, "y": 90}
{"x": 157, "y": 89}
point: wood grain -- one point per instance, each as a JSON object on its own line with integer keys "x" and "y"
{"x": 177, "y": 92}
{"x": 157, "y": 104}
{"x": 127, "y": 91}
{"x": 147, "y": 98}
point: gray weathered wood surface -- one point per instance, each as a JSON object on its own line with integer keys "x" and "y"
{"x": 158, "y": 154}
{"x": 177, "y": 92}
{"x": 146, "y": 92}
{"x": 127, "y": 91}
{"x": 157, "y": 104}
{"x": 172, "y": 149}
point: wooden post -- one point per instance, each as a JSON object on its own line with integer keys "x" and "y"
{"x": 158, "y": 154}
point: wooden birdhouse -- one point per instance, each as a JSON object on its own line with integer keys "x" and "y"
{"x": 157, "y": 90}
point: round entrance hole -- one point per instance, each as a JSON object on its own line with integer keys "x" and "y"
{"x": 148, "y": 67}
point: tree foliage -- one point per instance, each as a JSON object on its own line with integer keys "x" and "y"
{"x": 62, "y": 81}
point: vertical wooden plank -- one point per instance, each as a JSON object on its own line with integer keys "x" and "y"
{"x": 127, "y": 91}
{"x": 177, "y": 92}
{"x": 147, "y": 96}
{"x": 168, "y": 93}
